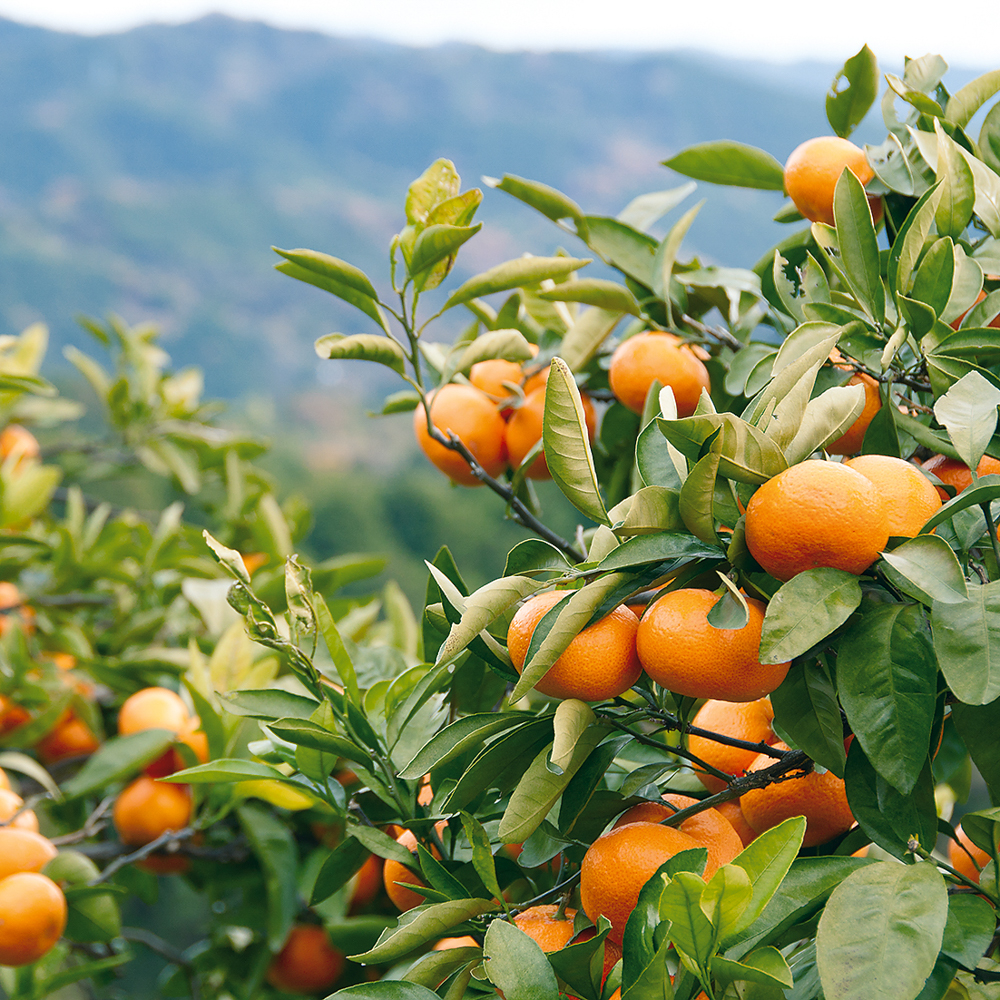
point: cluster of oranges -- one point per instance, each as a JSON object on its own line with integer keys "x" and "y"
{"x": 497, "y": 416}
{"x": 32, "y": 905}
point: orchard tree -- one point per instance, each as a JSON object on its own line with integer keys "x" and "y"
{"x": 709, "y": 746}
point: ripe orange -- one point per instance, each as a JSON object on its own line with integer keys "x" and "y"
{"x": 71, "y": 737}
{"x": 252, "y": 561}
{"x": 620, "y": 862}
{"x": 709, "y": 827}
{"x": 812, "y": 172}
{"x": 13, "y": 611}
{"x": 474, "y": 418}
{"x": 549, "y": 932}
{"x": 4, "y": 780}
{"x": 910, "y": 498}
{"x": 16, "y": 439}
{"x": 645, "y": 357}
{"x": 307, "y": 963}
{"x": 12, "y": 715}
{"x": 683, "y": 653}
{"x": 849, "y": 443}
{"x": 955, "y": 473}
{"x": 152, "y": 708}
{"x": 524, "y": 430}
{"x": 598, "y": 664}
{"x": 821, "y": 798}
{"x": 465, "y": 941}
{"x": 393, "y": 873}
{"x": 490, "y": 376}
{"x": 147, "y": 808}
{"x": 816, "y": 514}
{"x": 734, "y": 813}
{"x": 10, "y": 802}
{"x": 960, "y": 859}
{"x": 750, "y": 721}
{"x": 23, "y": 851}
{"x": 32, "y": 917}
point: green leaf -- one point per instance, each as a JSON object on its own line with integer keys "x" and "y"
{"x": 643, "y": 211}
{"x": 437, "y": 184}
{"x": 888, "y": 817}
{"x": 963, "y": 105}
{"x": 363, "y": 347}
{"x": 859, "y": 244}
{"x": 968, "y": 410}
{"x": 423, "y": 924}
{"x": 305, "y": 733}
{"x": 726, "y": 897}
{"x": 368, "y": 304}
{"x": 385, "y": 989}
{"x": 482, "y": 608}
{"x": 847, "y": 106}
{"x": 513, "y": 274}
{"x": 274, "y": 847}
{"x": 609, "y": 295}
{"x": 697, "y": 498}
{"x": 805, "y": 610}
{"x": 666, "y": 256}
{"x": 234, "y": 769}
{"x": 651, "y": 510}
{"x": 977, "y": 726}
{"x": 341, "y": 865}
{"x": 539, "y": 789}
{"x": 338, "y": 651}
{"x": 724, "y": 162}
{"x": 766, "y": 860}
{"x": 908, "y": 246}
{"x": 589, "y": 330}
{"x": 516, "y": 965}
{"x": 926, "y": 569}
{"x": 883, "y": 910}
{"x": 674, "y": 547}
{"x": 887, "y": 681}
{"x": 270, "y": 703}
{"x": 623, "y": 247}
{"x": 765, "y": 966}
{"x": 567, "y": 445}
{"x": 690, "y": 929}
{"x": 551, "y": 203}
{"x": 967, "y": 644}
{"x": 969, "y": 930}
{"x": 985, "y": 490}
{"x": 507, "y": 344}
{"x": 332, "y": 268}
{"x": 827, "y": 418}
{"x": 118, "y": 758}
{"x": 456, "y": 739}
{"x": 958, "y": 187}
{"x": 435, "y": 244}
{"x": 932, "y": 283}
{"x": 807, "y": 709}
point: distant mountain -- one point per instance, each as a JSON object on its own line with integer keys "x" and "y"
{"x": 147, "y": 173}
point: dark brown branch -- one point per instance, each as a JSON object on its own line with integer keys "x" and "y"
{"x": 521, "y": 514}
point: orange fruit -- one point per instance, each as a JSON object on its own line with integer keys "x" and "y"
{"x": 13, "y": 610}
{"x": 956, "y": 473}
{"x": 71, "y": 737}
{"x": 812, "y": 172}
{"x": 549, "y": 932}
{"x": 957, "y": 322}
{"x": 749, "y": 721}
{"x": 146, "y": 809}
{"x": 646, "y": 357}
{"x": 473, "y": 417}
{"x": 252, "y": 561}
{"x": 821, "y": 798}
{"x": 524, "y": 431}
{"x": 191, "y": 735}
{"x": 32, "y": 917}
{"x": 733, "y": 812}
{"x": 16, "y": 439}
{"x": 709, "y": 827}
{"x": 10, "y": 802}
{"x": 620, "y": 862}
{"x": 12, "y": 715}
{"x": 598, "y": 664}
{"x": 911, "y": 499}
{"x": 490, "y": 376}
{"x": 683, "y": 653}
{"x": 23, "y": 851}
{"x": 960, "y": 859}
{"x": 816, "y": 514}
{"x": 849, "y": 443}
{"x": 466, "y": 941}
{"x": 393, "y": 873}
{"x": 365, "y": 884}
{"x": 307, "y": 963}
{"x": 152, "y": 708}
{"x": 4, "y": 780}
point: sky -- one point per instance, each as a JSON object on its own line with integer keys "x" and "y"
{"x": 966, "y": 32}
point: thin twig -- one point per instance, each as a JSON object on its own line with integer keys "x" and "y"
{"x": 717, "y": 333}
{"x": 168, "y": 837}
{"x": 94, "y": 823}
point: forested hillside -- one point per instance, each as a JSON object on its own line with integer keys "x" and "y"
{"x": 147, "y": 173}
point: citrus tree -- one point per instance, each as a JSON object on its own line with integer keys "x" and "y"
{"x": 709, "y": 746}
